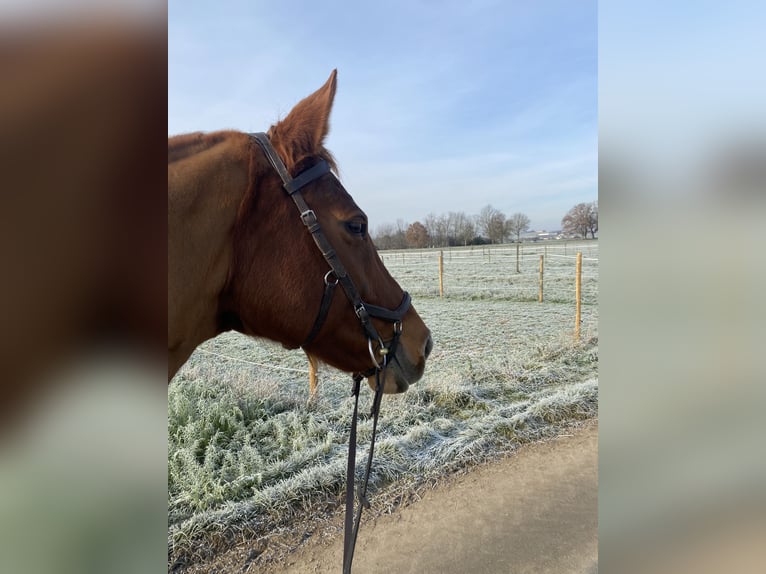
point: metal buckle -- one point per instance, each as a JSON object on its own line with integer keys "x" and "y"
{"x": 308, "y": 217}
{"x": 361, "y": 313}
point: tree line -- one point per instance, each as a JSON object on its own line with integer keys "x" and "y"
{"x": 488, "y": 226}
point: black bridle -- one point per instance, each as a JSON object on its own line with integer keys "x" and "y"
{"x": 364, "y": 312}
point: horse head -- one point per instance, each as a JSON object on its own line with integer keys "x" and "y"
{"x": 278, "y": 281}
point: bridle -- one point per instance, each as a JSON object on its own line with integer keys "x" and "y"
{"x": 337, "y": 273}
{"x": 364, "y": 312}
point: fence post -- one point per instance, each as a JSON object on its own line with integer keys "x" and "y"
{"x": 578, "y": 293}
{"x": 517, "y": 257}
{"x": 441, "y": 273}
{"x": 540, "y": 298}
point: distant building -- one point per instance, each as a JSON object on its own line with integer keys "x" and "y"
{"x": 536, "y": 236}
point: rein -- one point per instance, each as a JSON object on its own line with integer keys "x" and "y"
{"x": 364, "y": 312}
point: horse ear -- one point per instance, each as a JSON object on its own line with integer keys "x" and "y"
{"x": 303, "y": 131}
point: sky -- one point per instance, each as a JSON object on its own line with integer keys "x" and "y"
{"x": 678, "y": 81}
{"x": 441, "y": 106}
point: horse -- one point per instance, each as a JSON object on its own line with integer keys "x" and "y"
{"x": 240, "y": 257}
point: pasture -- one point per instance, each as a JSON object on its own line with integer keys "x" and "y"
{"x": 489, "y": 272}
{"x": 250, "y": 457}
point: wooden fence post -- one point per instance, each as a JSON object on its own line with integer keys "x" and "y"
{"x": 441, "y": 273}
{"x": 540, "y": 298}
{"x": 578, "y": 293}
{"x": 517, "y": 257}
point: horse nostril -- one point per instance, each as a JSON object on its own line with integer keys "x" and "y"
{"x": 429, "y": 346}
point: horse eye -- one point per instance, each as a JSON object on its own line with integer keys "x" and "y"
{"x": 357, "y": 228}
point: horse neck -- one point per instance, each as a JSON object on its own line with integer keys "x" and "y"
{"x": 205, "y": 192}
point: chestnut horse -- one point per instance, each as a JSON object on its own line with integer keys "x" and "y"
{"x": 241, "y": 257}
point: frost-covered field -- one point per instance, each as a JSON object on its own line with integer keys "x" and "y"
{"x": 248, "y": 456}
{"x": 489, "y": 272}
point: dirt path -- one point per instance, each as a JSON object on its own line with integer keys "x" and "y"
{"x": 535, "y": 512}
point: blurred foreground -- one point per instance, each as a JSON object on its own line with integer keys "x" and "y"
{"x": 83, "y": 292}
{"x": 682, "y": 161}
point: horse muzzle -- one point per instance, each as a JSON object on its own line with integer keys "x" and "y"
{"x": 402, "y": 370}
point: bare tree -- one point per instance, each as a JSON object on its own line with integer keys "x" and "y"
{"x": 451, "y": 221}
{"x": 430, "y": 224}
{"x": 463, "y": 228}
{"x": 442, "y": 230}
{"x": 582, "y": 218}
{"x": 491, "y": 223}
{"x": 484, "y": 220}
{"x": 391, "y": 236}
{"x": 497, "y": 228}
{"x": 517, "y": 224}
{"x": 593, "y": 220}
{"x": 384, "y": 236}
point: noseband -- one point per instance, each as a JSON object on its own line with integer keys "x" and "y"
{"x": 364, "y": 312}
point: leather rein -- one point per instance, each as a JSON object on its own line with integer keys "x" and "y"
{"x": 364, "y": 312}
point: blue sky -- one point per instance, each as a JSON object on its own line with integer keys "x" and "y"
{"x": 441, "y": 106}
{"x": 678, "y": 82}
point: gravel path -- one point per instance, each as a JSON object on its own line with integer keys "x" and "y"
{"x": 535, "y": 511}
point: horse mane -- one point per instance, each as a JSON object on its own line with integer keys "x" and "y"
{"x": 183, "y": 146}
{"x": 186, "y": 145}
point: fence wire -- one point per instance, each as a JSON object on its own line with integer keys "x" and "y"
{"x": 489, "y": 272}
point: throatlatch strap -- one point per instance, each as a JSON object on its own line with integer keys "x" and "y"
{"x": 324, "y": 308}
